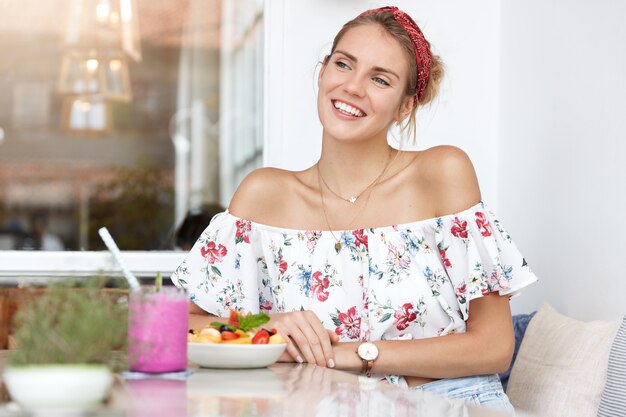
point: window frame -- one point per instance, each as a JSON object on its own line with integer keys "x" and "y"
{"x": 20, "y": 266}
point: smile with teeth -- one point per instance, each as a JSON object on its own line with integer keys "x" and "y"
{"x": 347, "y": 109}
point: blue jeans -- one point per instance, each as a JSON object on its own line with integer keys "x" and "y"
{"x": 482, "y": 390}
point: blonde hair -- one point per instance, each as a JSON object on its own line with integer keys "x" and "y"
{"x": 387, "y": 21}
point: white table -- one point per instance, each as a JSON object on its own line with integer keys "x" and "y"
{"x": 282, "y": 390}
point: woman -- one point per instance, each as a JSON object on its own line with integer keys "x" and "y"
{"x": 371, "y": 244}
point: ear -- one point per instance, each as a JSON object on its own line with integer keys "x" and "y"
{"x": 406, "y": 107}
{"x": 324, "y": 65}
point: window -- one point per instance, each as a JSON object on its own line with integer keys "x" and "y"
{"x": 127, "y": 133}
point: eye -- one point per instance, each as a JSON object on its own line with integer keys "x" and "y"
{"x": 381, "y": 81}
{"x": 341, "y": 65}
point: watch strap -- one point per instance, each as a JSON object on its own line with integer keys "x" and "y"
{"x": 366, "y": 369}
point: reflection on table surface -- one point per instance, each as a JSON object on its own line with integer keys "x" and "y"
{"x": 277, "y": 391}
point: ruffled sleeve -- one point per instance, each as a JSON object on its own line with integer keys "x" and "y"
{"x": 479, "y": 256}
{"x": 225, "y": 269}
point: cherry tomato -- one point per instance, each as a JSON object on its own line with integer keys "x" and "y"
{"x": 228, "y": 335}
{"x": 262, "y": 337}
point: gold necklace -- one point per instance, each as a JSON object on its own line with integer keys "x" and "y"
{"x": 354, "y": 198}
{"x": 330, "y": 229}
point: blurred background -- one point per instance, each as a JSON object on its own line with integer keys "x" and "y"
{"x": 113, "y": 113}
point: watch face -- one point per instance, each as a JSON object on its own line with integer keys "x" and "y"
{"x": 368, "y": 351}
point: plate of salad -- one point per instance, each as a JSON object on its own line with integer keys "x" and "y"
{"x": 243, "y": 342}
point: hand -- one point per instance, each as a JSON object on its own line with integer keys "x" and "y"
{"x": 307, "y": 339}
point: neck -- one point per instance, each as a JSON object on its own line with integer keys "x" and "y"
{"x": 349, "y": 167}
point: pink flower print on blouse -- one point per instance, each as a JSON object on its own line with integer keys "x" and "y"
{"x": 360, "y": 238}
{"x": 459, "y": 228}
{"x": 405, "y": 316}
{"x": 446, "y": 261}
{"x": 398, "y": 257}
{"x": 461, "y": 293}
{"x": 348, "y": 323}
{"x": 483, "y": 224}
{"x": 243, "y": 231}
{"x": 312, "y": 236}
{"x": 214, "y": 253}
{"x": 501, "y": 277}
{"x": 266, "y": 305}
{"x": 282, "y": 267}
{"x": 319, "y": 286}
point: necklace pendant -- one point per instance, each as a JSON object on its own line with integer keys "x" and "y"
{"x": 352, "y": 199}
{"x": 338, "y": 246}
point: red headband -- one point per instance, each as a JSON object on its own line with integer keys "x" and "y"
{"x": 420, "y": 46}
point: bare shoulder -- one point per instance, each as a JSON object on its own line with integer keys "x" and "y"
{"x": 446, "y": 158}
{"x": 255, "y": 196}
{"x": 450, "y": 177}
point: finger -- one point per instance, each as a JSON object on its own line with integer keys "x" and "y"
{"x": 304, "y": 343}
{"x": 334, "y": 337}
{"x": 324, "y": 352}
{"x": 310, "y": 329}
{"x": 292, "y": 349}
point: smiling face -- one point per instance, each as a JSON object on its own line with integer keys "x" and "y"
{"x": 362, "y": 84}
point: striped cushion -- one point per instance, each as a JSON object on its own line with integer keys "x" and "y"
{"x": 613, "y": 401}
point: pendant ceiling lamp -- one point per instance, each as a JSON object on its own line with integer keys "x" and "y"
{"x": 100, "y": 38}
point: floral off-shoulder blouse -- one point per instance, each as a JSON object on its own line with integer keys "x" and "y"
{"x": 405, "y": 281}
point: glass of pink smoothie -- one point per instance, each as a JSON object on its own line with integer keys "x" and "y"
{"x": 157, "y": 330}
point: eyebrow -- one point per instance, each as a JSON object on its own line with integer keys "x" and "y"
{"x": 377, "y": 69}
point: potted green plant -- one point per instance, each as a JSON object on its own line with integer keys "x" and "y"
{"x": 68, "y": 342}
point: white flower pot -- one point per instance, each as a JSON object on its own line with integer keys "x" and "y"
{"x": 50, "y": 387}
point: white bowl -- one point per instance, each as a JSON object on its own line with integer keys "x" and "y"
{"x": 69, "y": 387}
{"x": 227, "y": 356}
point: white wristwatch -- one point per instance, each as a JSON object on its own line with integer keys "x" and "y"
{"x": 368, "y": 352}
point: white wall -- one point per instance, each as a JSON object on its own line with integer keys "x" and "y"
{"x": 534, "y": 94}
{"x": 562, "y": 147}
{"x": 465, "y": 34}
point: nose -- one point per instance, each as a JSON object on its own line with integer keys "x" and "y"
{"x": 355, "y": 85}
